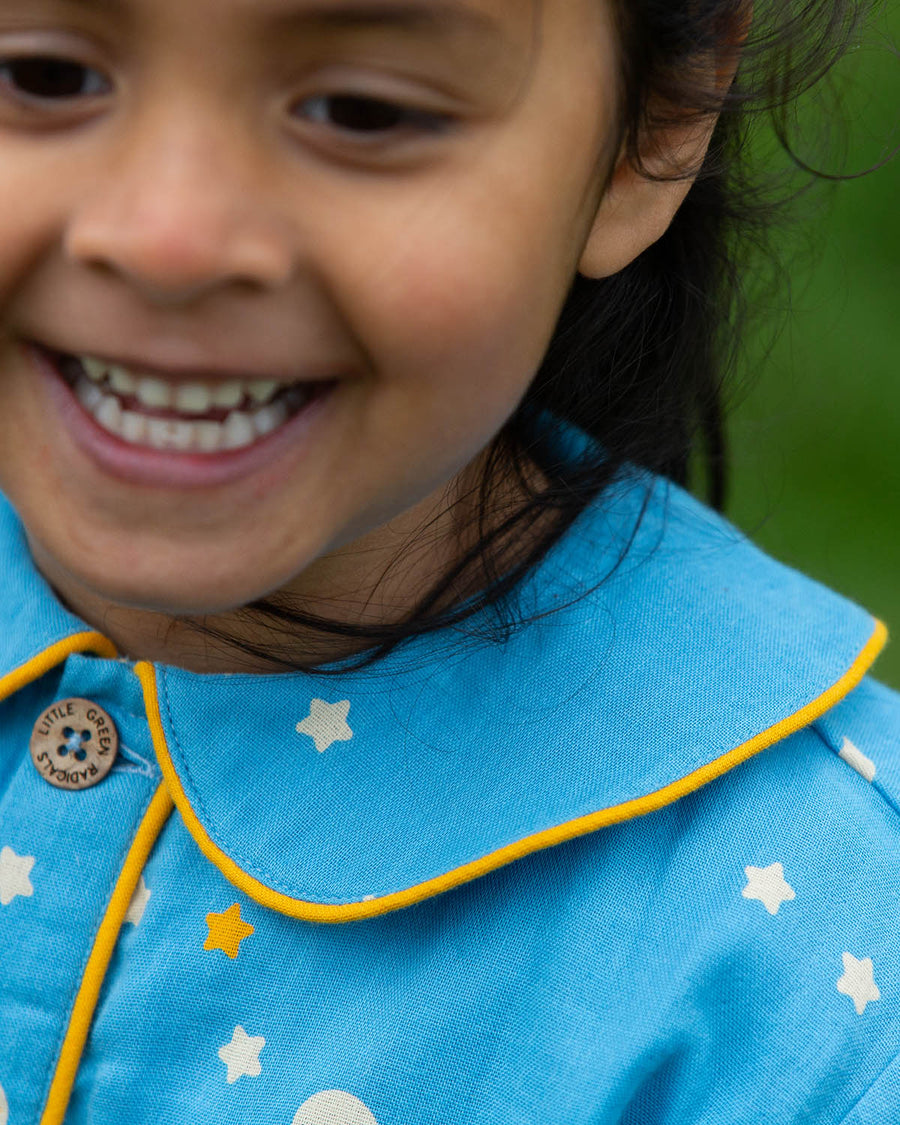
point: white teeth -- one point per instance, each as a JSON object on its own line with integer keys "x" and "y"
{"x": 134, "y": 426}
{"x": 122, "y": 381}
{"x": 193, "y": 398}
{"x": 208, "y": 436}
{"x": 89, "y": 395}
{"x": 228, "y": 395}
{"x": 109, "y": 413}
{"x": 186, "y": 398}
{"x": 239, "y": 430}
{"x": 94, "y": 368}
{"x": 182, "y": 435}
{"x": 165, "y": 433}
{"x": 262, "y": 390}
{"x": 269, "y": 418}
{"x": 105, "y": 388}
{"x": 157, "y": 432}
{"x": 153, "y": 392}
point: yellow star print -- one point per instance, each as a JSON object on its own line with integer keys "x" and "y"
{"x": 227, "y": 930}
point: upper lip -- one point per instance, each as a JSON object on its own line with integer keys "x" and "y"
{"x": 199, "y": 373}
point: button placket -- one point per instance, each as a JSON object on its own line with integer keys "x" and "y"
{"x": 80, "y": 843}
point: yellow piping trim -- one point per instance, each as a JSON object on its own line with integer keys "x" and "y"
{"x": 347, "y": 912}
{"x": 86, "y": 1001}
{"x": 38, "y": 665}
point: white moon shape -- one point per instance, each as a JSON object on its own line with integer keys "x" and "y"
{"x": 4, "y": 1108}
{"x": 333, "y": 1107}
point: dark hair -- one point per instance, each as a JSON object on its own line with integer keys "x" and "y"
{"x": 639, "y": 360}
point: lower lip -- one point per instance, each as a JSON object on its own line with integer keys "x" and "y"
{"x": 168, "y": 468}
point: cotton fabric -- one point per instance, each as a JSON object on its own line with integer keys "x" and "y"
{"x": 722, "y": 949}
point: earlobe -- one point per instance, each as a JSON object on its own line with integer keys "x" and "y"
{"x": 632, "y": 215}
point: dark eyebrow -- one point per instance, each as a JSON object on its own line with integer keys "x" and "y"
{"x": 100, "y": 5}
{"x": 424, "y": 16}
{"x": 427, "y": 16}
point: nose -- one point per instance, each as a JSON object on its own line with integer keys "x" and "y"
{"x": 177, "y": 213}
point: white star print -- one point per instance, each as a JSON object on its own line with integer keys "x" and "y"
{"x": 857, "y": 759}
{"x": 333, "y": 1107}
{"x": 138, "y": 903}
{"x": 326, "y": 723}
{"x": 768, "y": 885}
{"x": 241, "y": 1055}
{"x": 14, "y": 872}
{"x": 858, "y": 982}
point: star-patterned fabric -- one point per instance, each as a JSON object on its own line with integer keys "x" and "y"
{"x": 768, "y": 885}
{"x": 14, "y": 875}
{"x": 728, "y": 956}
{"x": 138, "y": 903}
{"x": 241, "y": 1055}
{"x": 227, "y": 930}
{"x": 326, "y": 723}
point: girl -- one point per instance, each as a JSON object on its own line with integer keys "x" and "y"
{"x": 386, "y": 737}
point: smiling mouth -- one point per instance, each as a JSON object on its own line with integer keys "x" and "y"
{"x": 151, "y": 412}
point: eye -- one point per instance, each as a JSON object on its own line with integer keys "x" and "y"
{"x": 48, "y": 79}
{"x": 365, "y": 116}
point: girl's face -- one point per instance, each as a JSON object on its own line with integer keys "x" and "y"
{"x": 379, "y": 204}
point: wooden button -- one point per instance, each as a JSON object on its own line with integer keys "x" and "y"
{"x": 74, "y": 744}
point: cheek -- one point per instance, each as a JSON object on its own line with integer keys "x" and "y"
{"x": 456, "y": 294}
{"x": 460, "y": 336}
{"x": 32, "y": 213}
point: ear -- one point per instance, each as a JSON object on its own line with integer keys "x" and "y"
{"x": 635, "y": 210}
{"x": 639, "y": 204}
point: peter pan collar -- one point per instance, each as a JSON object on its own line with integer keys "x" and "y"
{"x": 337, "y": 797}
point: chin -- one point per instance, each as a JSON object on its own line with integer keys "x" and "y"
{"x": 180, "y": 598}
{"x": 190, "y": 589}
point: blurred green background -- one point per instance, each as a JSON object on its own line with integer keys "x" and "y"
{"x": 815, "y": 436}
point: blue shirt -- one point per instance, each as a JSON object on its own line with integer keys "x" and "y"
{"x": 638, "y": 864}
